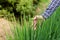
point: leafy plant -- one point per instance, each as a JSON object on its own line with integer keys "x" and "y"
{"x": 50, "y": 29}
{"x": 20, "y": 7}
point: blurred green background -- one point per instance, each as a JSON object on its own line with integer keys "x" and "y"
{"x": 10, "y": 9}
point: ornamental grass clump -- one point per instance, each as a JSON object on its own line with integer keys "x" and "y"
{"x": 49, "y": 30}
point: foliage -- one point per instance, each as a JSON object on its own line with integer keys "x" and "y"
{"x": 50, "y": 29}
{"x": 20, "y": 7}
{"x": 6, "y": 14}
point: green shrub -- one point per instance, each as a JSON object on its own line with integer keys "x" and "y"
{"x": 20, "y": 7}
{"x": 6, "y": 14}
